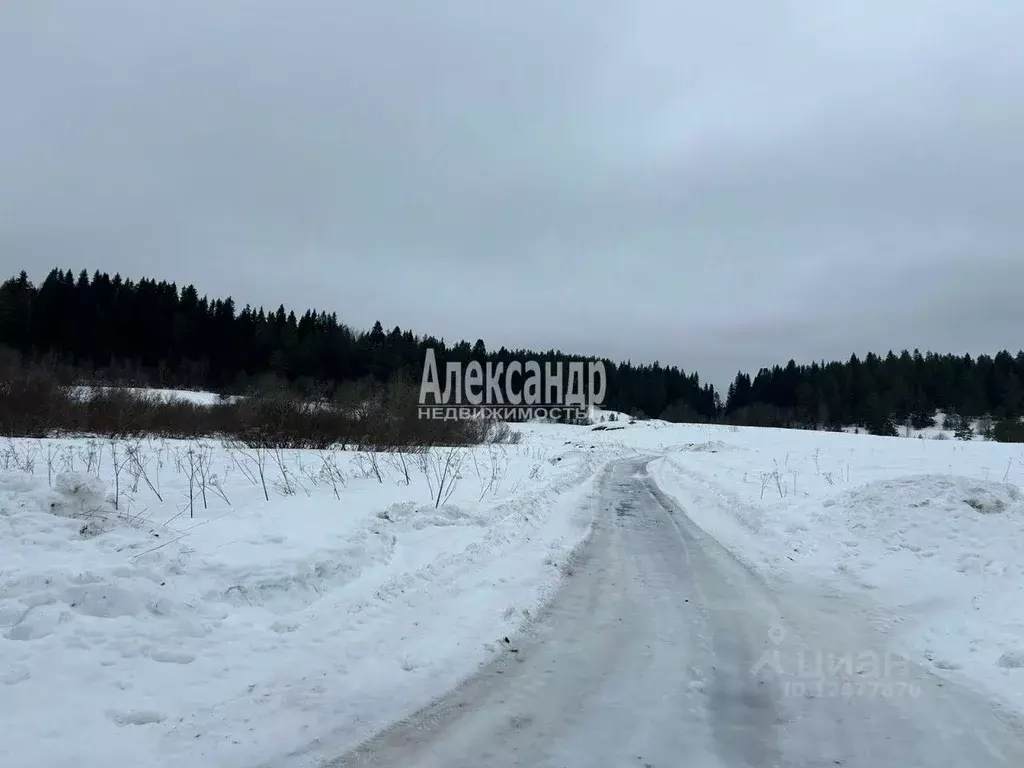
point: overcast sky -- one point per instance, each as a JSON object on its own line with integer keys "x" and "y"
{"x": 715, "y": 185}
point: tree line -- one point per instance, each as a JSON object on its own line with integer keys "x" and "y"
{"x": 881, "y": 394}
{"x": 150, "y": 332}
{"x": 154, "y": 333}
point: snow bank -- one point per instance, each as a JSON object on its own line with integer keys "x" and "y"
{"x": 930, "y": 532}
{"x": 141, "y": 635}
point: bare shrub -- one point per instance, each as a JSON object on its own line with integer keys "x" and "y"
{"x": 34, "y": 404}
{"x": 192, "y": 470}
{"x": 286, "y": 483}
{"x": 51, "y": 458}
{"x": 332, "y": 473}
{"x": 399, "y": 461}
{"x": 252, "y": 463}
{"x": 501, "y": 433}
{"x": 119, "y": 458}
{"x": 89, "y": 453}
{"x": 21, "y": 458}
{"x": 442, "y": 471}
{"x": 31, "y": 404}
{"x": 369, "y": 465}
{"x": 139, "y": 462}
{"x": 205, "y": 459}
{"x": 491, "y": 474}
{"x": 283, "y": 421}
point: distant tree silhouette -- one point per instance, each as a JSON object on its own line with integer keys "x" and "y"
{"x": 877, "y": 393}
{"x": 151, "y": 332}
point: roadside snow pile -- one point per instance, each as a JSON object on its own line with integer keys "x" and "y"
{"x": 141, "y": 635}
{"x": 951, "y": 523}
{"x": 940, "y": 554}
{"x": 952, "y": 549}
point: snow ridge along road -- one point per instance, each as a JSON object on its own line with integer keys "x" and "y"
{"x": 662, "y": 650}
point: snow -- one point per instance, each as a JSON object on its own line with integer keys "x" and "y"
{"x": 246, "y": 630}
{"x": 196, "y": 397}
{"x": 926, "y": 537}
{"x": 939, "y": 431}
{"x": 143, "y": 635}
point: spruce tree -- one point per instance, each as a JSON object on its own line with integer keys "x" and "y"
{"x": 963, "y": 429}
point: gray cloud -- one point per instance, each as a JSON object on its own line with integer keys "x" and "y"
{"x": 717, "y": 188}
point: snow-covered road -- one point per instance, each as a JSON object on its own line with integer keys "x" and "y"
{"x": 662, "y": 650}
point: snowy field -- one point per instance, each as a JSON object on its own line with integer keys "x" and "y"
{"x": 160, "y": 632}
{"x": 926, "y": 537}
{"x": 161, "y": 607}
